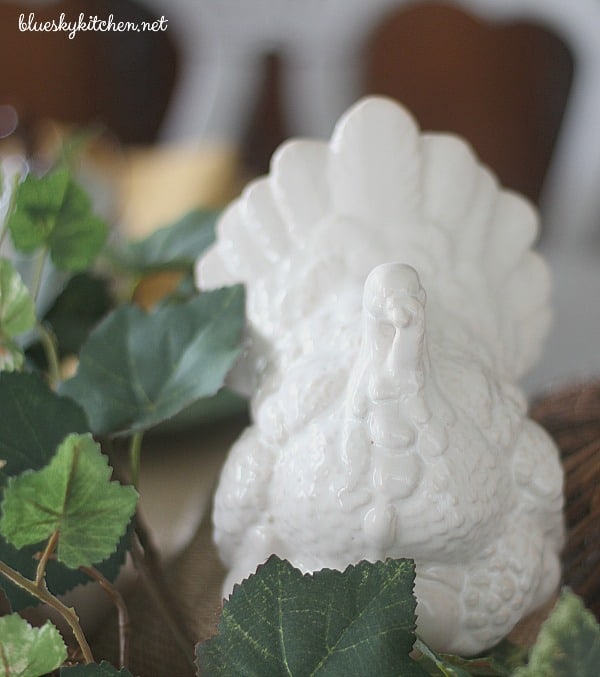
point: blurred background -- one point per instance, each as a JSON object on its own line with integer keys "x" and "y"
{"x": 191, "y": 113}
{"x": 503, "y": 87}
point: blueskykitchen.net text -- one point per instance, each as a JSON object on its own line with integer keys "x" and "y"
{"x": 84, "y": 23}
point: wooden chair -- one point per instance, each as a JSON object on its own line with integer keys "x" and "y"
{"x": 321, "y": 43}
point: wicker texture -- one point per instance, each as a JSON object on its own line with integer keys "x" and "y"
{"x": 572, "y": 417}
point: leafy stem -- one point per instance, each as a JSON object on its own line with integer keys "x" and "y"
{"x": 51, "y": 351}
{"x": 43, "y": 595}
{"x": 11, "y": 206}
{"x": 4, "y": 658}
{"x": 39, "y": 271}
{"x": 135, "y": 452}
{"x": 40, "y": 574}
{"x": 122, "y": 613}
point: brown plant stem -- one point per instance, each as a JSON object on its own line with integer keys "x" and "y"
{"x": 135, "y": 452}
{"x": 147, "y": 565}
{"x": 43, "y": 595}
{"x": 122, "y": 614}
{"x": 51, "y": 351}
{"x": 40, "y": 574}
{"x": 5, "y": 663}
{"x": 38, "y": 273}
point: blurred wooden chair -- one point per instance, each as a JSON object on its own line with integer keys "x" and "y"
{"x": 322, "y": 43}
{"x": 322, "y": 47}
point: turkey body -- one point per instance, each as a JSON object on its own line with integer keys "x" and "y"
{"x": 393, "y": 303}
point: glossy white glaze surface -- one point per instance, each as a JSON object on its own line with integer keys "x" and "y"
{"x": 393, "y": 304}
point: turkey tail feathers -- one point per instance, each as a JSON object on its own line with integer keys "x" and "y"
{"x": 382, "y": 188}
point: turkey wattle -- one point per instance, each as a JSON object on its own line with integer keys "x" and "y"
{"x": 393, "y": 303}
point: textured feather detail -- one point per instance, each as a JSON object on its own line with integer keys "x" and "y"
{"x": 392, "y": 301}
{"x": 379, "y": 192}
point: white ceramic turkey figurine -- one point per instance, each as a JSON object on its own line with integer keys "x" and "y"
{"x": 393, "y": 303}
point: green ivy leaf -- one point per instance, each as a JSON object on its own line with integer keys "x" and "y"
{"x": 34, "y": 420}
{"x": 74, "y": 496}
{"x": 138, "y": 369}
{"x": 433, "y": 664}
{"x": 102, "y": 669}
{"x": 500, "y": 662}
{"x": 174, "y": 247}
{"x": 568, "y": 642}
{"x": 54, "y": 211}
{"x": 38, "y": 203}
{"x": 79, "y": 235}
{"x": 83, "y": 302}
{"x": 17, "y": 310}
{"x": 27, "y": 651}
{"x": 17, "y": 315}
{"x": 279, "y": 622}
